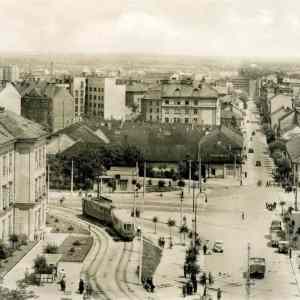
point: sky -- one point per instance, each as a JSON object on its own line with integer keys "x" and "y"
{"x": 265, "y": 28}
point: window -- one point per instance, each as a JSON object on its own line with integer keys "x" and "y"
{"x": 4, "y": 165}
{"x": 167, "y": 102}
{"x": 95, "y": 97}
{"x": 195, "y": 111}
{"x": 91, "y": 89}
{"x": 195, "y": 120}
{"x": 178, "y": 102}
{"x": 10, "y": 163}
{"x": 187, "y": 102}
{"x": 186, "y": 120}
{"x": 95, "y": 89}
{"x": 99, "y": 97}
{"x": 99, "y": 90}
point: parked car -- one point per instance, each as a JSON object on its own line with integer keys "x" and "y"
{"x": 218, "y": 247}
{"x": 258, "y": 163}
{"x": 283, "y": 247}
{"x": 257, "y": 267}
{"x": 250, "y": 150}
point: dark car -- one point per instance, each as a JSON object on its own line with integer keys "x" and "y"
{"x": 258, "y": 163}
{"x": 250, "y": 150}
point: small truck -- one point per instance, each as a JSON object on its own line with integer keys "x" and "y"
{"x": 257, "y": 267}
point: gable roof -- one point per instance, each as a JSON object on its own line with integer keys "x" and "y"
{"x": 19, "y": 127}
{"x": 293, "y": 149}
{"x": 186, "y": 90}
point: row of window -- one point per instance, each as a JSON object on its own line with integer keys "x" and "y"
{"x": 91, "y": 89}
{"x": 39, "y": 187}
{"x": 96, "y": 97}
{"x": 186, "y": 102}
{"x": 181, "y": 112}
{"x": 7, "y": 163}
{"x": 7, "y": 195}
{"x": 182, "y": 120}
{"x": 77, "y": 93}
{"x": 40, "y": 157}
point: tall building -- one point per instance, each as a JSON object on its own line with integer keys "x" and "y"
{"x": 47, "y": 104}
{"x": 105, "y": 98}
{"x": 77, "y": 90}
{"x": 23, "y": 190}
{"x": 9, "y": 73}
{"x": 181, "y": 102}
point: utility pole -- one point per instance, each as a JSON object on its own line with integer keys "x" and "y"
{"x": 200, "y": 168}
{"x": 248, "y": 272}
{"x": 72, "y": 175}
{"x": 181, "y": 200}
{"x": 296, "y": 186}
{"x": 193, "y": 196}
{"x": 48, "y": 183}
{"x": 134, "y": 194}
{"x": 190, "y": 174}
{"x": 142, "y": 226}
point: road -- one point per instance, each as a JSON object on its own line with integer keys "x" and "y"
{"x": 221, "y": 219}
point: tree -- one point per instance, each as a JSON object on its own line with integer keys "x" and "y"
{"x": 155, "y": 220}
{"x": 171, "y": 223}
{"x": 277, "y": 145}
{"x": 282, "y": 204}
{"x": 13, "y": 238}
{"x": 16, "y": 294}
{"x": 161, "y": 183}
{"x": 40, "y": 265}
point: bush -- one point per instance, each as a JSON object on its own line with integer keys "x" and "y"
{"x": 5, "y": 251}
{"x": 149, "y": 182}
{"x": 70, "y": 228}
{"x": 40, "y": 266}
{"x": 51, "y": 249}
{"x": 181, "y": 183}
{"x": 77, "y": 243}
{"x": 161, "y": 183}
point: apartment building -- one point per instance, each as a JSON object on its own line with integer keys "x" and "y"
{"x": 47, "y": 104}
{"x": 9, "y": 73}
{"x": 105, "y": 98}
{"x": 182, "y": 102}
{"x": 23, "y": 190}
{"x": 78, "y": 91}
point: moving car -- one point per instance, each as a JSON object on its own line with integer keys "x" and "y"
{"x": 257, "y": 267}
{"x": 218, "y": 247}
{"x": 275, "y": 238}
{"x": 258, "y": 163}
{"x": 283, "y": 246}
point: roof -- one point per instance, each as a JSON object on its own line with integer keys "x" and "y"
{"x": 80, "y": 132}
{"x": 136, "y": 87}
{"x": 293, "y": 149}
{"x": 281, "y": 97}
{"x": 17, "y": 126}
{"x": 228, "y": 114}
{"x": 186, "y": 90}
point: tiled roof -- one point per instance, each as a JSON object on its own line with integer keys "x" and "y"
{"x": 19, "y": 127}
{"x": 293, "y": 149}
{"x": 80, "y": 132}
{"x": 185, "y": 90}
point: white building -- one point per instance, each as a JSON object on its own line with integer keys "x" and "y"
{"x": 10, "y": 98}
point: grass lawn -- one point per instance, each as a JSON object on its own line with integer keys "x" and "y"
{"x": 75, "y": 248}
{"x": 7, "y": 264}
{"x": 151, "y": 259}
{"x": 60, "y": 225}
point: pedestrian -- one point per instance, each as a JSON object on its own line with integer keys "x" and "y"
{"x": 189, "y": 288}
{"x": 171, "y": 244}
{"x": 81, "y": 286}
{"x": 210, "y": 278}
{"x": 184, "y": 290}
{"x": 241, "y": 182}
{"x": 63, "y": 284}
{"x": 243, "y": 215}
{"x": 245, "y": 174}
{"x": 204, "y": 249}
{"x": 219, "y": 294}
{"x": 195, "y": 285}
{"x": 290, "y": 253}
{"x": 204, "y": 291}
{"x": 163, "y": 242}
{"x": 185, "y": 269}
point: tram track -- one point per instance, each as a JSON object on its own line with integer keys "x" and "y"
{"x": 107, "y": 262}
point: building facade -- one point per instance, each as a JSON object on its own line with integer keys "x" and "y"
{"x": 9, "y": 73}
{"x": 47, "y": 104}
{"x": 105, "y": 98}
{"x": 23, "y": 192}
{"x": 78, "y": 90}
{"x": 182, "y": 103}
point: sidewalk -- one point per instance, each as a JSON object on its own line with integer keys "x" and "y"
{"x": 49, "y": 291}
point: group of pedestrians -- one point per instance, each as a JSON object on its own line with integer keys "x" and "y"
{"x": 148, "y": 284}
{"x": 161, "y": 242}
{"x": 271, "y": 206}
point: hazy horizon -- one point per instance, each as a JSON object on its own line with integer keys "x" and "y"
{"x": 207, "y": 28}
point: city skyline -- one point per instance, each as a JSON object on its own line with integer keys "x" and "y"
{"x": 205, "y": 28}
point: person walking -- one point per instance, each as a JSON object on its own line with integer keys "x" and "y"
{"x": 219, "y": 294}
{"x": 204, "y": 249}
{"x": 81, "y": 286}
{"x": 243, "y": 216}
{"x": 63, "y": 284}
